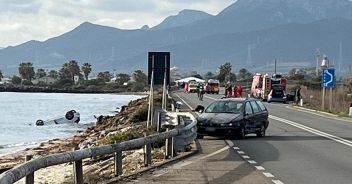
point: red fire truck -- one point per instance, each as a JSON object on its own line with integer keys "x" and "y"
{"x": 212, "y": 86}
{"x": 262, "y": 84}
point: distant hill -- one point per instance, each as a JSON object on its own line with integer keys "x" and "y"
{"x": 185, "y": 17}
{"x": 290, "y": 30}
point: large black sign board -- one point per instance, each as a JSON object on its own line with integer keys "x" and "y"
{"x": 159, "y": 62}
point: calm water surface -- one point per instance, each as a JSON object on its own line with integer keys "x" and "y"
{"x": 20, "y": 111}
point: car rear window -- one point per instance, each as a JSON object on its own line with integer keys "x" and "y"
{"x": 261, "y": 105}
{"x": 255, "y": 107}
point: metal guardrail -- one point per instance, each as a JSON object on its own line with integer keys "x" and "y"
{"x": 183, "y": 134}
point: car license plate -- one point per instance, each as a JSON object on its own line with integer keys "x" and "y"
{"x": 210, "y": 129}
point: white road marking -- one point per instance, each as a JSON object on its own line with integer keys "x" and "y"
{"x": 178, "y": 166}
{"x": 236, "y": 148}
{"x": 330, "y": 116}
{"x": 230, "y": 143}
{"x": 314, "y": 131}
{"x": 277, "y": 182}
{"x": 184, "y": 101}
{"x": 210, "y": 97}
{"x": 251, "y": 161}
{"x": 268, "y": 175}
{"x": 245, "y": 157}
{"x": 260, "y": 168}
{"x": 240, "y": 152}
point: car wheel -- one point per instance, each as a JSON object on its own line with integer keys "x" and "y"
{"x": 200, "y": 136}
{"x": 261, "y": 132}
{"x": 241, "y": 133}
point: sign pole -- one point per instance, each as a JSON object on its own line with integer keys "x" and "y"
{"x": 330, "y": 100}
{"x": 323, "y": 99}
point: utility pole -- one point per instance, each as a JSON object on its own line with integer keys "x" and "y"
{"x": 275, "y": 66}
{"x": 317, "y": 66}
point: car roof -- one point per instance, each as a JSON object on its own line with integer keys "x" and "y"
{"x": 237, "y": 99}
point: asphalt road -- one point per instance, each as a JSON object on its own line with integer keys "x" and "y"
{"x": 300, "y": 146}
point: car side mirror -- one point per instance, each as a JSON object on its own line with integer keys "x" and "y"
{"x": 199, "y": 109}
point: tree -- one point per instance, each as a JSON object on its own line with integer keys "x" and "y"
{"x": 209, "y": 75}
{"x": 40, "y": 73}
{"x": 1, "y": 76}
{"x": 244, "y": 75}
{"x": 86, "y": 68}
{"x": 53, "y": 74}
{"x": 121, "y": 78}
{"x": 225, "y": 70}
{"x": 104, "y": 76}
{"x": 26, "y": 71}
{"x": 139, "y": 76}
{"x": 69, "y": 70}
{"x": 296, "y": 74}
{"x": 16, "y": 80}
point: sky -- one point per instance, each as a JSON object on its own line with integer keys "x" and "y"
{"x": 25, "y": 20}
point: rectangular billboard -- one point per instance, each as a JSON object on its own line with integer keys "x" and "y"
{"x": 159, "y": 62}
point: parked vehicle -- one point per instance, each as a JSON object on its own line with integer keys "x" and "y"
{"x": 192, "y": 87}
{"x": 262, "y": 84}
{"x": 234, "y": 117}
{"x": 277, "y": 95}
{"x": 212, "y": 86}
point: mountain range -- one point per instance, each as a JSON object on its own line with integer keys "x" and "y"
{"x": 248, "y": 33}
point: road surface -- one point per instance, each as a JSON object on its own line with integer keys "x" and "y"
{"x": 300, "y": 147}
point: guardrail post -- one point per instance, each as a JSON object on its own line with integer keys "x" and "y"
{"x": 158, "y": 125}
{"x": 118, "y": 163}
{"x": 78, "y": 171}
{"x": 29, "y": 178}
{"x": 169, "y": 146}
{"x": 147, "y": 155}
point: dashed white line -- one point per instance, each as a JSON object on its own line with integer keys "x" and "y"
{"x": 260, "y": 168}
{"x": 277, "y": 182}
{"x": 268, "y": 175}
{"x": 240, "y": 152}
{"x": 236, "y": 148}
{"x": 251, "y": 161}
{"x": 245, "y": 157}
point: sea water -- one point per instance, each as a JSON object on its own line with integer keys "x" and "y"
{"x": 20, "y": 111}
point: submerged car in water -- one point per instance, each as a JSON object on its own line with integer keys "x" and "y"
{"x": 234, "y": 117}
{"x": 71, "y": 116}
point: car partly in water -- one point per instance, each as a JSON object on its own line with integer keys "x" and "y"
{"x": 232, "y": 117}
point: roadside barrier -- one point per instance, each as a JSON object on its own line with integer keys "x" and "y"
{"x": 182, "y": 135}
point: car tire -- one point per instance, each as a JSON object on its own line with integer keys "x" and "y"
{"x": 200, "y": 136}
{"x": 241, "y": 133}
{"x": 261, "y": 132}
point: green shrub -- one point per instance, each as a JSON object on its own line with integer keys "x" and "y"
{"x": 121, "y": 136}
{"x": 140, "y": 115}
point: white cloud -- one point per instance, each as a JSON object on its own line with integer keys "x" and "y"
{"x": 24, "y": 20}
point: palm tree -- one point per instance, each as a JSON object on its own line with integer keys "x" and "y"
{"x": 26, "y": 70}
{"x": 86, "y": 68}
{"x": 1, "y": 76}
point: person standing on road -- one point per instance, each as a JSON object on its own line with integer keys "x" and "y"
{"x": 298, "y": 95}
{"x": 228, "y": 89}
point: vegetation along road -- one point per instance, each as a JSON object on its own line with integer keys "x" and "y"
{"x": 299, "y": 147}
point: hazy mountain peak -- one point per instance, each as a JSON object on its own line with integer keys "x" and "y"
{"x": 145, "y": 27}
{"x": 184, "y": 17}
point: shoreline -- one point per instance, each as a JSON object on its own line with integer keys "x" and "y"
{"x": 59, "y": 145}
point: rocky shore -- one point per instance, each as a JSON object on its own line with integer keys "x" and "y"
{"x": 131, "y": 118}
